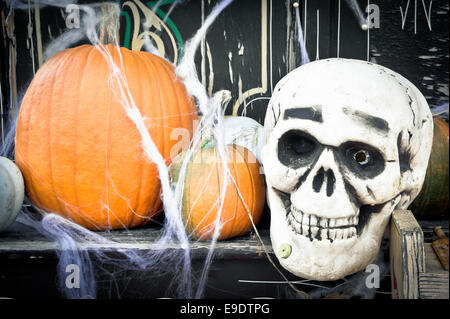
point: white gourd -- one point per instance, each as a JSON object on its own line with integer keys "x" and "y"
{"x": 11, "y": 192}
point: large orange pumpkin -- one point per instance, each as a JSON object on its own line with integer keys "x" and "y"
{"x": 80, "y": 154}
{"x": 433, "y": 199}
{"x": 202, "y": 189}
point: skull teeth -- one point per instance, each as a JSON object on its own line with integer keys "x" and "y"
{"x": 312, "y": 220}
{"x": 321, "y": 228}
{"x": 305, "y": 230}
{"x": 332, "y": 234}
{"x": 324, "y": 223}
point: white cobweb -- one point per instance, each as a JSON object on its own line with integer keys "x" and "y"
{"x": 76, "y": 244}
{"x": 170, "y": 253}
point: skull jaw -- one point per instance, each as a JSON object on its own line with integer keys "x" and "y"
{"x": 326, "y": 260}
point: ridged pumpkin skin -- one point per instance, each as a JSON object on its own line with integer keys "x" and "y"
{"x": 80, "y": 154}
{"x": 433, "y": 199}
{"x": 202, "y": 189}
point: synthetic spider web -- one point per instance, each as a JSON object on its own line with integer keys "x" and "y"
{"x": 170, "y": 254}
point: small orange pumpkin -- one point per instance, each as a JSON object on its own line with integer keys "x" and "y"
{"x": 80, "y": 154}
{"x": 203, "y": 186}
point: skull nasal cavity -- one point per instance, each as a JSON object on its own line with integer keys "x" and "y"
{"x": 320, "y": 178}
{"x": 331, "y": 180}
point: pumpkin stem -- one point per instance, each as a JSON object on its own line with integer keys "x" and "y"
{"x": 109, "y": 24}
{"x": 208, "y": 143}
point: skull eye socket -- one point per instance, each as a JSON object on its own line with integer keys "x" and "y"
{"x": 297, "y": 148}
{"x": 363, "y": 160}
{"x": 302, "y": 145}
{"x": 362, "y": 157}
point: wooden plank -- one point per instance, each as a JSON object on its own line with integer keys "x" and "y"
{"x": 440, "y": 247}
{"x": 432, "y": 263}
{"x": 433, "y": 286}
{"x": 434, "y": 283}
{"x": 20, "y": 239}
{"x": 406, "y": 255}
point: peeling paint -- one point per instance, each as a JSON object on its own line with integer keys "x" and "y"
{"x": 241, "y": 49}
{"x": 230, "y": 68}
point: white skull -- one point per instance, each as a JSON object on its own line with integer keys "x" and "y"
{"x": 346, "y": 143}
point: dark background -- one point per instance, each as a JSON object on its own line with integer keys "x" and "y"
{"x": 268, "y": 37}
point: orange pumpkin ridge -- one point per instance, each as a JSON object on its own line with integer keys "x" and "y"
{"x": 80, "y": 154}
{"x": 253, "y": 200}
{"x": 204, "y": 180}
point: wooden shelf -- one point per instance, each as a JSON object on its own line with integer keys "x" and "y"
{"x": 416, "y": 271}
{"x": 240, "y": 269}
{"x": 434, "y": 282}
{"x": 20, "y": 239}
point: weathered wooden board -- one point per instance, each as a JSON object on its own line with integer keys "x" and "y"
{"x": 416, "y": 272}
{"x": 434, "y": 283}
{"x": 406, "y": 255}
{"x": 28, "y": 266}
{"x": 433, "y": 286}
{"x": 22, "y": 239}
{"x": 240, "y": 268}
